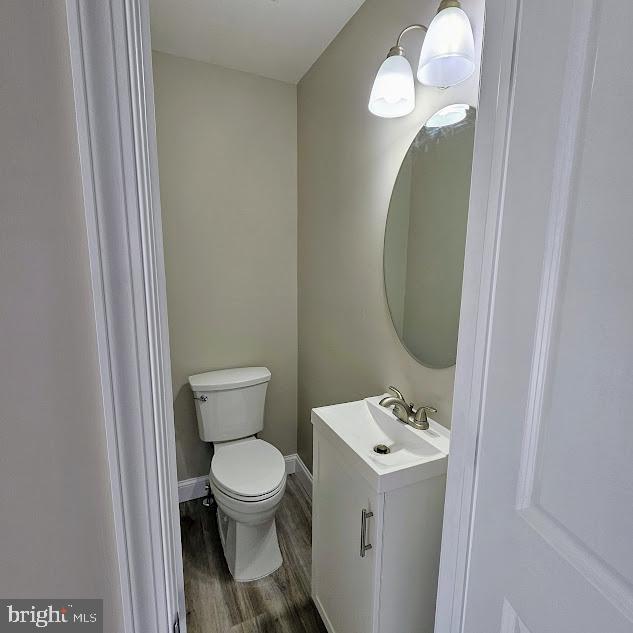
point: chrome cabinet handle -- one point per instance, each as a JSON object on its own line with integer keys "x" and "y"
{"x": 364, "y": 545}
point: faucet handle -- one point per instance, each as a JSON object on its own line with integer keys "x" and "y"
{"x": 422, "y": 410}
{"x": 396, "y": 392}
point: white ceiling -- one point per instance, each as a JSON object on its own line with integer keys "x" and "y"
{"x": 279, "y": 39}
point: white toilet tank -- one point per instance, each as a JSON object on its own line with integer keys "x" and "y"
{"x": 230, "y": 402}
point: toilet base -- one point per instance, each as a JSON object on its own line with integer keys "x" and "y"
{"x": 251, "y": 551}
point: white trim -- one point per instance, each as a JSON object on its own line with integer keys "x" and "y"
{"x": 194, "y": 488}
{"x": 484, "y": 223}
{"x": 291, "y": 463}
{"x": 295, "y": 465}
{"x": 110, "y": 58}
{"x": 326, "y": 621}
{"x": 304, "y": 476}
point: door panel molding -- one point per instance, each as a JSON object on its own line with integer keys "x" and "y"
{"x": 510, "y": 621}
{"x": 605, "y": 579}
{"x": 578, "y": 80}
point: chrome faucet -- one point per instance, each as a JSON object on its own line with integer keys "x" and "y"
{"x": 407, "y": 413}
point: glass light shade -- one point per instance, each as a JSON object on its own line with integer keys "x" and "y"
{"x": 448, "y": 51}
{"x": 393, "y": 92}
{"x": 450, "y": 115}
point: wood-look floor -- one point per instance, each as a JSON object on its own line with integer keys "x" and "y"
{"x": 279, "y": 603}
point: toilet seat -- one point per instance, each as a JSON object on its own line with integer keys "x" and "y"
{"x": 249, "y": 499}
{"x": 248, "y": 470}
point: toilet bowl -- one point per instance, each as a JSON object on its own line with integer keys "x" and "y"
{"x": 248, "y": 480}
{"x": 248, "y": 475}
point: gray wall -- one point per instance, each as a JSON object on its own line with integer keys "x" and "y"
{"x": 227, "y": 153}
{"x": 56, "y": 511}
{"x": 348, "y": 162}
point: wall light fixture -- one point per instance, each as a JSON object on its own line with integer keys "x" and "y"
{"x": 447, "y": 58}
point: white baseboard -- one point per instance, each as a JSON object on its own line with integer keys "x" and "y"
{"x": 304, "y": 476}
{"x": 322, "y": 613}
{"x": 195, "y": 488}
{"x": 291, "y": 463}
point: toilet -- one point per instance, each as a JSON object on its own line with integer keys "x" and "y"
{"x": 248, "y": 475}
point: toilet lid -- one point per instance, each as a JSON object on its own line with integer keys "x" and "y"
{"x": 251, "y": 468}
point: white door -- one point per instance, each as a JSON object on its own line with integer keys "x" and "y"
{"x": 552, "y": 532}
{"x": 343, "y": 581}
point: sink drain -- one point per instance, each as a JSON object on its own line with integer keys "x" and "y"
{"x": 381, "y": 449}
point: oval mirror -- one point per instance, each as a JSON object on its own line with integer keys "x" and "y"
{"x": 425, "y": 236}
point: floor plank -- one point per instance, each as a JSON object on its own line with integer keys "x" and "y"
{"x": 279, "y": 603}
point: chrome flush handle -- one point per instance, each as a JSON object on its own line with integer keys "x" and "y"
{"x": 202, "y": 398}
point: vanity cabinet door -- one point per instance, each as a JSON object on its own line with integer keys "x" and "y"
{"x": 344, "y": 583}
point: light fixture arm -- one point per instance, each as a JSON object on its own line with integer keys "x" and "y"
{"x": 397, "y": 49}
{"x": 411, "y": 27}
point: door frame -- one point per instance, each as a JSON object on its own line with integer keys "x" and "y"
{"x": 496, "y": 95}
{"x": 110, "y": 53}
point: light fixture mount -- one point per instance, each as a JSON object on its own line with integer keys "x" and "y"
{"x": 395, "y": 50}
{"x": 447, "y": 4}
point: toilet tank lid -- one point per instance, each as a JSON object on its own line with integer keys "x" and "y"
{"x": 223, "y": 379}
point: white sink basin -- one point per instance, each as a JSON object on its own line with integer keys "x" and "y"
{"x": 357, "y": 427}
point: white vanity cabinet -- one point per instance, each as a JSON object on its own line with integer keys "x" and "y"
{"x": 375, "y": 540}
{"x": 344, "y": 583}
